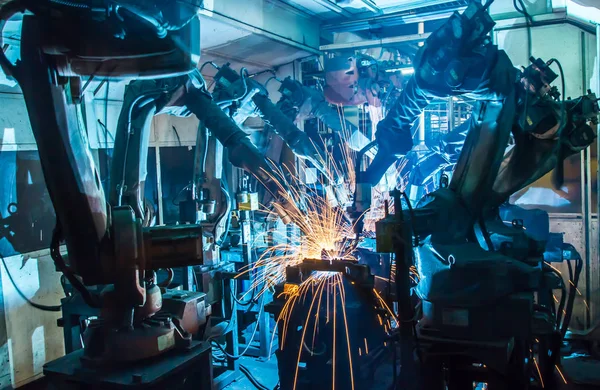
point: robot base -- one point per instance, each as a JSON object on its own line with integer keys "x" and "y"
{"x": 178, "y": 369}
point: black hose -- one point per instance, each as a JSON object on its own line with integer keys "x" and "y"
{"x": 209, "y": 63}
{"x": 30, "y": 302}
{"x": 138, "y": 100}
{"x": 88, "y": 298}
{"x": 241, "y": 354}
{"x": 572, "y": 290}
{"x": 252, "y": 379}
{"x": 561, "y": 305}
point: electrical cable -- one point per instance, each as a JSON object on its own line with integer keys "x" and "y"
{"x": 563, "y": 300}
{"x": 529, "y": 22}
{"x": 206, "y": 147}
{"x": 133, "y": 105}
{"x": 87, "y": 296}
{"x": 236, "y": 357}
{"x": 106, "y": 132}
{"x": 71, "y": 4}
{"x": 170, "y": 276}
{"x": 39, "y": 306}
{"x": 179, "y": 193}
{"x": 411, "y": 212}
{"x": 177, "y": 135}
{"x": 234, "y": 296}
{"x": 272, "y": 78}
{"x": 573, "y": 289}
{"x": 209, "y": 63}
{"x": 252, "y": 378}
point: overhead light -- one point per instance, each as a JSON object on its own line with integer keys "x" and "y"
{"x": 404, "y": 71}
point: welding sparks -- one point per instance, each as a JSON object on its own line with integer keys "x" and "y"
{"x": 539, "y": 372}
{"x": 323, "y": 232}
{"x": 320, "y": 230}
{"x": 561, "y": 374}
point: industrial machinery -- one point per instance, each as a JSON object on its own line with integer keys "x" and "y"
{"x": 145, "y": 336}
{"x": 340, "y": 339}
{"x": 481, "y": 283}
{"x": 244, "y": 97}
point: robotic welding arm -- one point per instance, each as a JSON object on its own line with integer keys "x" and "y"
{"x": 232, "y": 88}
{"x": 179, "y": 96}
{"x": 456, "y": 59}
{"x": 301, "y": 102}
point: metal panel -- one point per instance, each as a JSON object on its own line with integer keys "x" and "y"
{"x": 33, "y": 337}
{"x": 573, "y": 234}
{"x": 173, "y": 131}
{"x": 322, "y": 8}
{"x": 15, "y": 129}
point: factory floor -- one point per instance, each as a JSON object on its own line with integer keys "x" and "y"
{"x": 266, "y": 373}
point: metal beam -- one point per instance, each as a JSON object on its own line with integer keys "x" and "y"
{"x": 389, "y": 20}
{"x": 375, "y": 42}
{"x": 371, "y": 6}
{"x": 333, "y": 7}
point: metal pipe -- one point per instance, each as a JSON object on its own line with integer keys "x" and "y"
{"x": 159, "y": 187}
{"x": 375, "y": 42}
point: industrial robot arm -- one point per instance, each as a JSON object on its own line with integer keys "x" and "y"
{"x": 301, "y": 102}
{"x": 455, "y": 60}
{"x": 106, "y": 245}
{"x": 234, "y": 89}
{"x": 179, "y": 96}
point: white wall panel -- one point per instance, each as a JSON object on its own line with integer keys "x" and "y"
{"x": 33, "y": 336}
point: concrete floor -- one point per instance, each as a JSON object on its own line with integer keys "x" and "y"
{"x": 266, "y": 373}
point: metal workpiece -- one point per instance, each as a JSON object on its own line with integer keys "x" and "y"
{"x": 347, "y": 328}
